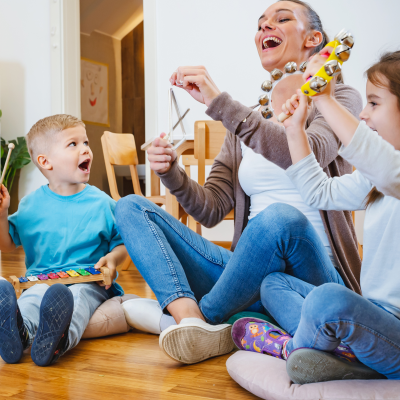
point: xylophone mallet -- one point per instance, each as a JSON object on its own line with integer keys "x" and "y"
{"x": 11, "y": 147}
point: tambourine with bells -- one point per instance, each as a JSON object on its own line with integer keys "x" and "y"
{"x": 342, "y": 45}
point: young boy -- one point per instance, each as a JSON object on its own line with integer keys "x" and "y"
{"x": 64, "y": 225}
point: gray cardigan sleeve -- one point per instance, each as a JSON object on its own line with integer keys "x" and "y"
{"x": 269, "y": 139}
{"x": 347, "y": 192}
{"x": 208, "y": 204}
{"x": 376, "y": 159}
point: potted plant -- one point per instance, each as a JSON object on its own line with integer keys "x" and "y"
{"x": 19, "y": 158}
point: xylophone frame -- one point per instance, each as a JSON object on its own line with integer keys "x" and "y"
{"x": 104, "y": 277}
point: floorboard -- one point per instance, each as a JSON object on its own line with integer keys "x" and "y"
{"x": 130, "y": 365}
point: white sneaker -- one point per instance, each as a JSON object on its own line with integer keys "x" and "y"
{"x": 194, "y": 340}
{"x": 143, "y": 314}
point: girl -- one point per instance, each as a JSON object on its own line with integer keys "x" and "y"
{"x": 331, "y": 313}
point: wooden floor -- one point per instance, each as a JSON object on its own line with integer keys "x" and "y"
{"x": 127, "y": 366}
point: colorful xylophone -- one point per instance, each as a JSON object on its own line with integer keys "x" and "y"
{"x": 82, "y": 275}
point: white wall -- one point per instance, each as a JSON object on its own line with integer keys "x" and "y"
{"x": 39, "y": 68}
{"x": 25, "y": 83}
{"x": 220, "y": 36}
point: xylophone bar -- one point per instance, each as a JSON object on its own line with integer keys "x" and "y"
{"x": 104, "y": 277}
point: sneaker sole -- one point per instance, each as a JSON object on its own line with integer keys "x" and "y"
{"x": 55, "y": 315}
{"x": 11, "y": 348}
{"x": 190, "y": 344}
{"x": 311, "y": 366}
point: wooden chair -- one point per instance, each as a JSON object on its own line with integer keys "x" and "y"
{"x": 120, "y": 149}
{"x": 208, "y": 139}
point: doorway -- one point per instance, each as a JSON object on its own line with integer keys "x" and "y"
{"x": 112, "y": 81}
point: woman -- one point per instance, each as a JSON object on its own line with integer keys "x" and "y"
{"x": 196, "y": 281}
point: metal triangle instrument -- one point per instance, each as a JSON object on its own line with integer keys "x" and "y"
{"x": 172, "y": 103}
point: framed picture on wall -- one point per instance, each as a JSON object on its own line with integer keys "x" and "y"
{"x": 94, "y": 93}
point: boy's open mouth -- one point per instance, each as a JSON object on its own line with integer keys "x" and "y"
{"x": 271, "y": 41}
{"x": 84, "y": 166}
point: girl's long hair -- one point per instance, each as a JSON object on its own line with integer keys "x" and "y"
{"x": 385, "y": 73}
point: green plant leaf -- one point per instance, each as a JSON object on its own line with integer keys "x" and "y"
{"x": 19, "y": 156}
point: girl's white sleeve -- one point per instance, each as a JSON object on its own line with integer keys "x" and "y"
{"x": 347, "y": 192}
{"x": 376, "y": 159}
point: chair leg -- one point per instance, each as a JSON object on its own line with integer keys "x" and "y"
{"x": 192, "y": 224}
{"x": 126, "y": 264}
{"x": 184, "y": 219}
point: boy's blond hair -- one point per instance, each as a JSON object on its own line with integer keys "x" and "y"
{"x": 43, "y": 133}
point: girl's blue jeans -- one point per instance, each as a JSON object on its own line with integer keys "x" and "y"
{"x": 176, "y": 262}
{"x": 322, "y": 317}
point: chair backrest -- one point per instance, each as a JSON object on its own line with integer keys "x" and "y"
{"x": 209, "y": 137}
{"x": 120, "y": 149}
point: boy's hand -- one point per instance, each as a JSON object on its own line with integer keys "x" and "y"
{"x": 108, "y": 262}
{"x": 298, "y": 106}
{"x": 314, "y": 65}
{"x": 4, "y": 201}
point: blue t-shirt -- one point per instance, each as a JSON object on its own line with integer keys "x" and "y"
{"x": 59, "y": 233}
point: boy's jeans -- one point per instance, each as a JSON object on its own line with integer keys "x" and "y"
{"x": 322, "y": 317}
{"x": 176, "y": 262}
{"x": 87, "y": 297}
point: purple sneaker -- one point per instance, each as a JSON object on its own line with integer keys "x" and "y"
{"x": 252, "y": 334}
{"x": 345, "y": 352}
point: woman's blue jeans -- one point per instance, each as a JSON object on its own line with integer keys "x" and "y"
{"x": 322, "y": 317}
{"x": 176, "y": 262}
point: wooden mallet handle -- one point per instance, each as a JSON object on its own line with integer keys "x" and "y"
{"x": 283, "y": 117}
{"x": 11, "y": 146}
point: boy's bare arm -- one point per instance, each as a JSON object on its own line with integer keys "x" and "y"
{"x": 6, "y": 243}
{"x": 112, "y": 260}
{"x": 118, "y": 254}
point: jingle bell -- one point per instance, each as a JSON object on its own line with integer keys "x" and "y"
{"x": 263, "y": 100}
{"x": 345, "y": 37}
{"x": 266, "y": 86}
{"x": 332, "y": 68}
{"x": 290, "y": 67}
{"x": 318, "y": 84}
{"x": 303, "y": 66}
{"x": 267, "y": 113}
{"x": 276, "y": 74}
{"x": 343, "y": 52}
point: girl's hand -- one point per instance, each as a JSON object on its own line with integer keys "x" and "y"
{"x": 4, "y": 200}
{"x": 110, "y": 264}
{"x": 298, "y": 106}
{"x": 197, "y": 82}
{"x": 161, "y": 155}
{"x": 314, "y": 65}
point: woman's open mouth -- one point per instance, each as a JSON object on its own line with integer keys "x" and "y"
{"x": 270, "y": 42}
{"x": 84, "y": 166}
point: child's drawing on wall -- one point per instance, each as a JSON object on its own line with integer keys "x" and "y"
{"x": 94, "y": 92}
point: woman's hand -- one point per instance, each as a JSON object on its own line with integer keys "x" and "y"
{"x": 197, "y": 82}
{"x": 161, "y": 155}
{"x": 314, "y": 65}
{"x": 297, "y": 105}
